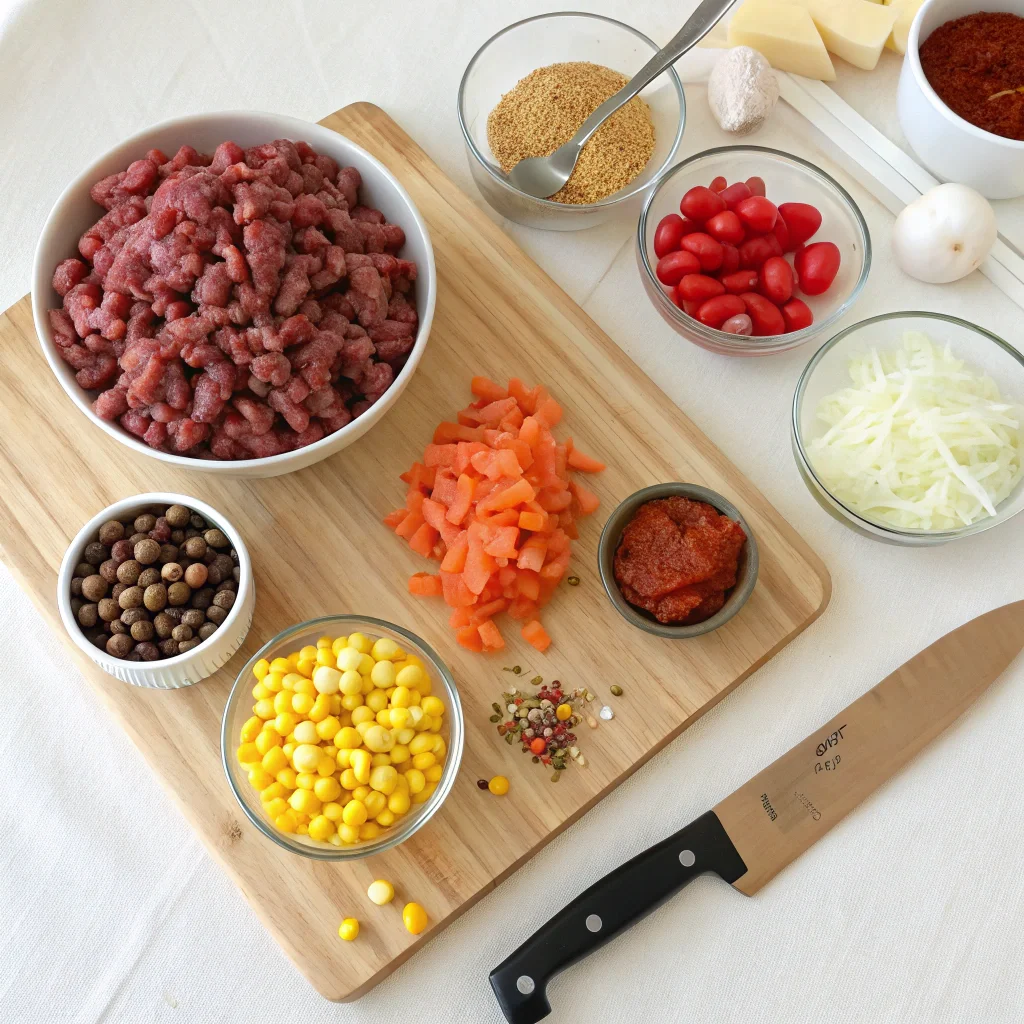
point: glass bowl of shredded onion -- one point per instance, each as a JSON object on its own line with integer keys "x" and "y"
{"x": 908, "y": 427}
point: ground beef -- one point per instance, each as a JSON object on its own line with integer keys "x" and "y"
{"x": 238, "y": 305}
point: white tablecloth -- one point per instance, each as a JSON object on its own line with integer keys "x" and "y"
{"x": 112, "y": 910}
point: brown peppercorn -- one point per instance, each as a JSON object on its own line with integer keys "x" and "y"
{"x": 117, "y": 590}
{"x": 132, "y": 615}
{"x": 94, "y": 587}
{"x": 195, "y": 575}
{"x": 129, "y": 572}
{"x": 181, "y": 632}
{"x": 76, "y": 586}
{"x": 136, "y": 537}
{"x": 154, "y": 597}
{"x": 216, "y": 614}
{"x": 148, "y": 577}
{"x": 175, "y": 613}
{"x": 161, "y": 532}
{"x": 84, "y": 569}
{"x": 99, "y": 640}
{"x": 193, "y": 617}
{"x": 145, "y": 522}
{"x": 97, "y": 553}
{"x": 177, "y": 536}
{"x": 142, "y": 630}
{"x": 227, "y": 585}
{"x": 225, "y": 599}
{"x": 187, "y": 645}
{"x": 236, "y": 574}
{"x": 210, "y": 557}
{"x": 110, "y": 531}
{"x": 233, "y": 555}
{"x": 108, "y": 609}
{"x": 121, "y": 550}
{"x": 178, "y": 516}
{"x": 168, "y": 647}
{"x": 178, "y": 594}
{"x": 216, "y": 538}
{"x": 203, "y": 598}
{"x": 206, "y": 630}
{"x": 131, "y": 598}
{"x": 192, "y": 532}
{"x": 172, "y": 572}
{"x": 120, "y": 645}
{"x": 214, "y": 575}
{"x": 224, "y": 563}
{"x": 117, "y": 626}
{"x": 108, "y": 570}
{"x": 195, "y": 547}
{"x": 147, "y": 651}
{"x": 147, "y": 551}
{"x": 163, "y": 624}
{"x": 76, "y": 606}
{"x": 88, "y": 615}
{"x": 168, "y": 553}
{"x": 197, "y": 521}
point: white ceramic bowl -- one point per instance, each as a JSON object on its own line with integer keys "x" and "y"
{"x": 950, "y": 147}
{"x": 74, "y": 212}
{"x": 183, "y": 669}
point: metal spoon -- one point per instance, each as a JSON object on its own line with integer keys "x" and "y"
{"x": 543, "y": 176}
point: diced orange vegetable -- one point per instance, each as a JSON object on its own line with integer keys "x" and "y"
{"x": 446, "y": 433}
{"x": 491, "y": 636}
{"x": 422, "y": 541}
{"x": 433, "y": 512}
{"x": 392, "y": 519}
{"x": 425, "y": 584}
{"x": 532, "y": 520}
{"x": 460, "y": 617}
{"x": 549, "y": 412}
{"x": 455, "y": 558}
{"x": 445, "y": 487}
{"x": 523, "y": 609}
{"x": 456, "y": 593}
{"x": 508, "y": 496}
{"x": 504, "y": 542}
{"x": 586, "y": 499}
{"x": 531, "y": 555}
{"x": 506, "y": 517}
{"x": 484, "y": 387}
{"x": 469, "y": 637}
{"x": 529, "y": 432}
{"x": 439, "y": 455}
{"x": 528, "y": 585}
{"x": 554, "y": 500}
{"x": 534, "y": 633}
{"x": 409, "y": 525}
{"x": 584, "y": 463}
{"x": 483, "y": 612}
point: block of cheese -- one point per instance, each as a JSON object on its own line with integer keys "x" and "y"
{"x": 905, "y": 11}
{"x": 855, "y": 30}
{"x": 786, "y": 35}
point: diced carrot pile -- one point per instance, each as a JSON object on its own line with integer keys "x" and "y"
{"x": 492, "y": 501}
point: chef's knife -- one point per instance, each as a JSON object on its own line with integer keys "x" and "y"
{"x": 768, "y": 822}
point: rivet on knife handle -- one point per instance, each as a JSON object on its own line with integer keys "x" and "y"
{"x": 608, "y": 907}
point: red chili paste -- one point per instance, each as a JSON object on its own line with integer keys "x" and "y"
{"x": 677, "y": 558}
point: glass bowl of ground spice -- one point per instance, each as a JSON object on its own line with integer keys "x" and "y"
{"x": 961, "y": 94}
{"x": 529, "y": 88}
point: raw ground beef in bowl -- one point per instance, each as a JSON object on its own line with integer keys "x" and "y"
{"x": 238, "y": 303}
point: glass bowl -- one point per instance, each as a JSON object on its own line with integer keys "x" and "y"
{"x": 239, "y": 708}
{"x": 511, "y": 55}
{"x": 827, "y": 371}
{"x": 788, "y": 179}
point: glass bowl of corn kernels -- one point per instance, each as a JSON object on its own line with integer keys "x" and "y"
{"x": 342, "y": 737}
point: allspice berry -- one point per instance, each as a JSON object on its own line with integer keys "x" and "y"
{"x": 195, "y": 575}
{"x": 142, "y": 630}
{"x": 168, "y": 647}
{"x": 203, "y": 598}
{"x": 94, "y": 588}
{"x": 178, "y": 516}
{"x": 195, "y": 547}
{"x": 161, "y": 532}
{"x": 172, "y": 572}
{"x": 88, "y": 615}
{"x": 216, "y": 538}
{"x": 224, "y": 599}
{"x": 145, "y": 523}
{"x": 154, "y": 597}
{"x": 76, "y": 586}
{"x": 132, "y": 615}
{"x": 108, "y": 570}
{"x": 131, "y": 597}
{"x": 108, "y": 609}
{"x": 121, "y": 551}
{"x": 187, "y": 645}
{"x": 110, "y": 531}
{"x": 117, "y": 590}
{"x": 177, "y": 537}
{"x": 147, "y": 651}
{"x": 120, "y": 645}
{"x": 129, "y": 572}
{"x": 117, "y": 626}
{"x": 148, "y": 577}
{"x": 147, "y": 551}
{"x": 168, "y": 553}
{"x": 164, "y": 625}
{"x": 181, "y": 632}
{"x": 206, "y": 630}
{"x": 178, "y": 594}
{"x": 193, "y": 617}
{"x": 136, "y": 537}
{"x": 197, "y": 521}
{"x": 97, "y": 553}
{"x": 84, "y": 569}
{"x": 216, "y": 614}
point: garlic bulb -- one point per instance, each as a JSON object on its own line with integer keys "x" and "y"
{"x": 742, "y": 90}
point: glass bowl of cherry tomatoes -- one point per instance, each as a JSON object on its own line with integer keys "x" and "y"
{"x": 749, "y": 251}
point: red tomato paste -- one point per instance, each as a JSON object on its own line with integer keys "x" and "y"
{"x": 677, "y": 558}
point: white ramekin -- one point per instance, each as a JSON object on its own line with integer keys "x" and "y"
{"x": 950, "y": 147}
{"x": 74, "y": 212}
{"x": 183, "y": 669}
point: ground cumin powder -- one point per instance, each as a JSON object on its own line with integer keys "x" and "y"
{"x": 546, "y": 109}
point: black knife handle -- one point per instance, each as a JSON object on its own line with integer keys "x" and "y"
{"x": 608, "y": 907}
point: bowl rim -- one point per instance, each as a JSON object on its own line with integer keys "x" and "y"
{"x": 606, "y": 552}
{"x": 78, "y": 395}
{"x": 502, "y": 180}
{"x": 456, "y": 742}
{"x": 723, "y": 340}
{"x": 914, "y": 57}
{"x": 860, "y": 521}
{"x": 83, "y": 536}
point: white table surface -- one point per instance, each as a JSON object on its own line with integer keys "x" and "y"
{"x": 112, "y": 910}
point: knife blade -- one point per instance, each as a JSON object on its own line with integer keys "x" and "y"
{"x": 769, "y": 821}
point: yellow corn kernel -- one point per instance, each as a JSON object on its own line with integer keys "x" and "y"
{"x": 274, "y": 681}
{"x": 383, "y": 674}
{"x": 326, "y": 679}
{"x": 347, "y": 737}
{"x": 343, "y": 756}
{"x": 399, "y": 717}
{"x": 327, "y": 788}
{"x": 390, "y": 691}
{"x": 259, "y": 691}
{"x": 414, "y": 698}
{"x": 321, "y": 708}
{"x": 352, "y": 701}
{"x": 261, "y": 668}
{"x": 376, "y": 700}
{"x": 305, "y": 732}
{"x": 332, "y": 811}
{"x": 414, "y": 917}
{"x": 309, "y": 651}
{"x": 360, "y": 642}
{"x": 423, "y": 761}
{"x": 306, "y": 686}
{"x": 367, "y": 686}
{"x": 293, "y": 659}
{"x": 410, "y": 676}
{"x": 366, "y": 664}
{"x": 260, "y": 779}
{"x": 434, "y": 773}
{"x": 399, "y": 802}
{"x": 305, "y": 802}
{"x": 286, "y": 822}
{"x": 328, "y": 728}
{"x": 348, "y": 929}
{"x": 325, "y": 657}
{"x": 302, "y": 829}
{"x": 378, "y": 759}
{"x": 281, "y": 665}
{"x": 321, "y": 828}
{"x": 361, "y": 793}
{"x": 403, "y": 785}
{"x": 282, "y": 701}
{"x": 306, "y": 668}
{"x": 248, "y": 753}
{"x": 264, "y": 709}
{"x": 440, "y": 749}
{"x": 274, "y": 759}
{"x": 424, "y": 794}
{"x": 306, "y": 757}
{"x": 337, "y": 708}
{"x": 422, "y": 743}
{"x": 289, "y": 748}
{"x": 348, "y": 833}
{"x": 381, "y": 892}
{"x": 267, "y": 739}
{"x": 354, "y": 813}
{"x": 362, "y": 714}
{"x": 384, "y": 779}
{"x": 272, "y": 792}
{"x": 348, "y": 660}
{"x": 404, "y": 736}
{"x": 359, "y": 761}
{"x": 288, "y": 777}
{"x": 375, "y": 803}
{"x": 400, "y": 696}
{"x": 305, "y": 780}
{"x": 350, "y": 683}
{"x": 384, "y": 718}
{"x": 384, "y": 649}
{"x": 302, "y": 703}
{"x": 424, "y": 686}
{"x": 399, "y": 753}
{"x": 250, "y": 729}
{"x": 285, "y": 723}
{"x": 348, "y": 779}
{"x": 416, "y": 718}
{"x": 339, "y": 645}
{"x": 416, "y": 780}
{"x": 368, "y": 830}
{"x": 275, "y": 807}
{"x": 433, "y": 706}
{"x": 386, "y": 818}
{"x": 378, "y": 739}
{"x": 327, "y": 766}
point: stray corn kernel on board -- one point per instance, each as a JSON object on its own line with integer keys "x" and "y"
{"x": 318, "y": 547}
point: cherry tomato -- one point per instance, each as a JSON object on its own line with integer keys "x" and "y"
{"x": 690, "y": 306}
{"x": 700, "y": 203}
{"x": 717, "y": 184}
{"x": 740, "y": 281}
{"x": 754, "y": 251}
{"x": 707, "y": 249}
{"x": 817, "y": 266}
{"x": 797, "y": 315}
{"x": 775, "y": 280}
{"x": 672, "y": 267}
{"x": 730, "y": 259}
{"x": 716, "y": 311}
{"x": 740, "y": 324}
{"x": 667, "y": 234}
{"x": 726, "y": 227}
{"x": 699, "y": 287}
{"x": 757, "y": 213}
{"x": 802, "y": 220}
{"x": 764, "y": 314}
{"x": 781, "y": 232}
{"x": 756, "y": 186}
{"x": 735, "y": 194}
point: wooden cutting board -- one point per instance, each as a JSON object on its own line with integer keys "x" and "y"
{"x": 318, "y": 548}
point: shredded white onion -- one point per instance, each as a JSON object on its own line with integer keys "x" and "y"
{"x": 919, "y": 441}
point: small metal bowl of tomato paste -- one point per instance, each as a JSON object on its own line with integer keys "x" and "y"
{"x": 611, "y": 535}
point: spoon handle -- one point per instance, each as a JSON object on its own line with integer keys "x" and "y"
{"x": 698, "y": 25}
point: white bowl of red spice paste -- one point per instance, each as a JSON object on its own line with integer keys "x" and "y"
{"x": 965, "y": 60}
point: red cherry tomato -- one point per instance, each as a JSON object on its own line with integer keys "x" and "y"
{"x": 740, "y": 281}
{"x": 781, "y": 232}
{"x": 797, "y": 315}
{"x": 756, "y": 186}
{"x": 730, "y": 259}
{"x": 775, "y": 280}
{"x": 716, "y": 311}
{"x": 754, "y": 251}
{"x": 726, "y": 227}
{"x": 675, "y": 265}
{"x": 735, "y": 194}
{"x": 700, "y": 204}
{"x": 764, "y": 314}
{"x": 690, "y": 306}
{"x": 717, "y": 184}
{"x": 707, "y": 249}
{"x": 698, "y": 287}
{"x": 757, "y": 213}
{"x": 817, "y": 266}
{"x": 802, "y": 220}
{"x": 667, "y": 234}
